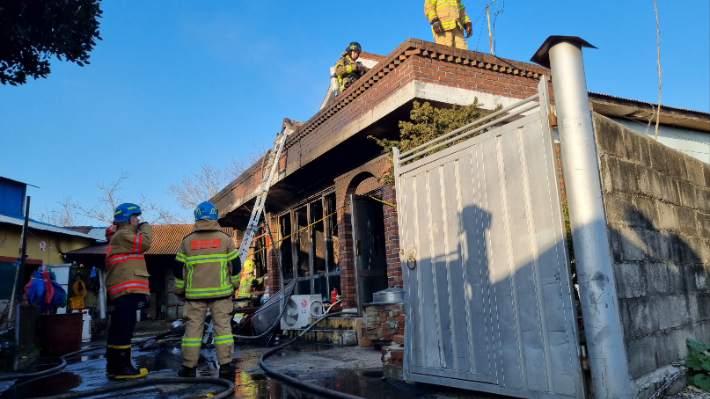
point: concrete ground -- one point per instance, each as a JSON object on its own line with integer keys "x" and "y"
{"x": 353, "y": 370}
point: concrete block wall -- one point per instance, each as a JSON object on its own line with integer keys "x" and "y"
{"x": 657, "y": 203}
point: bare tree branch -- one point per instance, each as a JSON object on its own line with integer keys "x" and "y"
{"x": 64, "y": 215}
{"x": 204, "y": 183}
{"x": 106, "y": 203}
{"x": 658, "y": 60}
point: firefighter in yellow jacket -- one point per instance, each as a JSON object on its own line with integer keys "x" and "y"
{"x": 127, "y": 286}
{"x": 348, "y": 69}
{"x": 206, "y": 271}
{"x": 448, "y": 21}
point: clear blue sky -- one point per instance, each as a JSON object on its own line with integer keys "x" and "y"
{"x": 177, "y": 84}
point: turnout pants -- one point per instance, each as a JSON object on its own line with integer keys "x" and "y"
{"x": 453, "y": 38}
{"x": 194, "y": 312}
{"x": 123, "y": 318}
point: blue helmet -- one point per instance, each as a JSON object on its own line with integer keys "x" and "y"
{"x": 124, "y": 211}
{"x": 206, "y": 210}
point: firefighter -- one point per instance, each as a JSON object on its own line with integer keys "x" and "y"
{"x": 448, "y": 20}
{"x": 248, "y": 280}
{"x": 127, "y": 286}
{"x": 348, "y": 69}
{"x": 206, "y": 271}
{"x": 247, "y": 283}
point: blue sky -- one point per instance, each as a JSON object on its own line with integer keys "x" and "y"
{"x": 177, "y": 84}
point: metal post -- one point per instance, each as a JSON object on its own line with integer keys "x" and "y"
{"x": 102, "y": 294}
{"x": 490, "y": 39}
{"x": 600, "y": 308}
{"x": 20, "y": 270}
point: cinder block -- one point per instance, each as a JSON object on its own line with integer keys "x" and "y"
{"x": 642, "y": 320}
{"x": 630, "y": 281}
{"x": 694, "y": 169}
{"x": 658, "y": 279}
{"x": 698, "y": 250}
{"x": 659, "y": 157}
{"x": 676, "y": 165}
{"x": 619, "y": 209}
{"x": 703, "y": 301}
{"x": 672, "y": 311}
{"x": 667, "y": 220}
{"x": 702, "y": 199}
{"x": 686, "y": 221}
{"x": 610, "y": 137}
{"x": 644, "y": 182}
{"x": 632, "y": 247}
{"x": 693, "y": 311}
{"x": 641, "y": 355}
{"x": 647, "y": 213}
{"x": 687, "y": 194}
{"x": 703, "y": 221}
{"x": 637, "y": 147}
{"x": 664, "y": 187}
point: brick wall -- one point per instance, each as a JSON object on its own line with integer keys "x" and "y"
{"x": 657, "y": 203}
{"x": 412, "y": 60}
{"x": 394, "y": 267}
{"x": 382, "y": 322}
{"x": 344, "y": 186}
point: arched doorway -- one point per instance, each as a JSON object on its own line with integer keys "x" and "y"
{"x": 368, "y": 238}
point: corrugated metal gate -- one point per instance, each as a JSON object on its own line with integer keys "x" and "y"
{"x": 486, "y": 275}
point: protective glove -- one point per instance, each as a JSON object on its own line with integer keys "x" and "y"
{"x": 360, "y": 68}
{"x": 468, "y": 28}
{"x": 255, "y": 282}
{"x": 436, "y": 25}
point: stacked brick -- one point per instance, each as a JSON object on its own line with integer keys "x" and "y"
{"x": 394, "y": 267}
{"x": 383, "y": 322}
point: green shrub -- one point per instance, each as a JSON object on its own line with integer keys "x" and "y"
{"x": 698, "y": 364}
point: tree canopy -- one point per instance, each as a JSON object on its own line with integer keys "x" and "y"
{"x": 32, "y": 31}
{"x": 428, "y": 123}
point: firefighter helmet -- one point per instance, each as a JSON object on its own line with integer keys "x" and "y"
{"x": 354, "y": 46}
{"x": 206, "y": 210}
{"x": 248, "y": 265}
{"x": 110, "y": 231}
{"x": 124, "y": 211}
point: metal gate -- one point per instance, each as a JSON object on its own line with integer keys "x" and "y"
{"x": 486, "y": 271}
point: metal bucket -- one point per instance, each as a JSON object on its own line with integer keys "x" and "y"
{"x": 389, "y": 295}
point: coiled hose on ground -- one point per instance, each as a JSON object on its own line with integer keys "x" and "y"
{"x": 29, "y": 377}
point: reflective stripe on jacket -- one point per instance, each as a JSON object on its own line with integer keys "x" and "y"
{"x": 345, "y": 71}
{"x": 207, "y": 265}
{"x": 126, "y": 271}
{"x": 450, "y": 13}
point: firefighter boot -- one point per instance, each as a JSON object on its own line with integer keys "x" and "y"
{"x": 228, "y": 368}
{"x": 124, "y": 368}
{"x": 187, "y": 371}
{"x": 110, "y": 362}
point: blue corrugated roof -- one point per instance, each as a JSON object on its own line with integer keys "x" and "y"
{"x": 36, "y": 225}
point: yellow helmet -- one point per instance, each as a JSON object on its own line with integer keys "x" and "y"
{"x": 248, "y": 265}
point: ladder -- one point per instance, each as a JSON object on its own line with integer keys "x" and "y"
{"x": 272, "y": 162}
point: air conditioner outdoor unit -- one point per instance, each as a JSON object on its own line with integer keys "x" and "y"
{"x": 299, "y": 309}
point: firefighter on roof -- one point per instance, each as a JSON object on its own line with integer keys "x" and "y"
{"x": 348, "y": 69}
{"x": 206, "y": 271}
{"x": 127, "y": 286}
{"x": 448, "y": 21}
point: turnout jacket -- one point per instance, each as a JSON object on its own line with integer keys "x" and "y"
{"x": 346, "y": 71}
{"x": 207, "y": 264}
{"x": 451, "y": 13}
{"x": 126, "y": 272}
